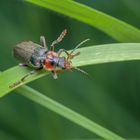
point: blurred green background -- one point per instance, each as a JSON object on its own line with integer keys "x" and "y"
{"x": 111, "y": 98}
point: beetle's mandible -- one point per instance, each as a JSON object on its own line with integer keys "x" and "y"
{"x": 40, "y": 57}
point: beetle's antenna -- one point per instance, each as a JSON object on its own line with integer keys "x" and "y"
{"x": 70, "y": 55}
{"x": 79, "y": 45}
{"x": 82, "y": 71}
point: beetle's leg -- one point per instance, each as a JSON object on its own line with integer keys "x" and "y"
{"x": 69, "y": 55}
{"x": 59, "y": 39}
{"x": 43, "y": 42}
{"x": 22, "y": 79}
{"x": 54, "y": 73}
{"x": 28, "y": 74}
{"x": 62, "y": 50}
{"x": 23, "y": 65}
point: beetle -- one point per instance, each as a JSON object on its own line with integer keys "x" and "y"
{"x": 39, "y": 57}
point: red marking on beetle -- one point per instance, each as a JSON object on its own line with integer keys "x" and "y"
{"x": 48, "y": 66}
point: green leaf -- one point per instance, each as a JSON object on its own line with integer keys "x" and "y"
{"x": 10, "y": 76}
{"x": 114, "y": 27}
{"x": 67, "y": 113}
{"x": 89, "y": 56}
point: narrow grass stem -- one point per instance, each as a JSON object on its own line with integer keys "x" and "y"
{"x": 71, "y": 115}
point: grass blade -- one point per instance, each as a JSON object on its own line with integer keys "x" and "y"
{"x": 114, "y": 27}
{"x": 67, "y": 113}
{"x": 89, "y": 56}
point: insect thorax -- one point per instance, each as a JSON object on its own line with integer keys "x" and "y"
{"x": 38, "y": 57}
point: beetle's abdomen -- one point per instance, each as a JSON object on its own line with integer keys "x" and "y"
{"x": 30, "y": 53}
{"x": 23, "y": 51}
